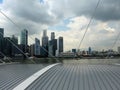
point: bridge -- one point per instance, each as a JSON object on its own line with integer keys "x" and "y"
{"x": 69, "y": 75}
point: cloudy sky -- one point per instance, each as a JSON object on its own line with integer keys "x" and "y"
{"x": 67, "y": 18}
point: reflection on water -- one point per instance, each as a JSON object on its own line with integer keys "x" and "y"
{"x": 80, "y": 61}
{"x": 93, "y": 61}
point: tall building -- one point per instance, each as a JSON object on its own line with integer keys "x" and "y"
{"x": 1, "y": 33}
{"x": 7, "y": 46}
{"x": 52, "y": 35}
{"x": 24, "y": 39}
{"x": 44, "y": 33}
{"x": 52, "y": 45}
{"x": 50, "y": 48}
{"x": 45, "y": 43}
{"x": 89, "y": 50}
{"x": 60, "y": 44}
{"x": 14, "y": 39}
{"x": 37, "y": 46}
{"x": 45, "y": 38}
{"x": 1, "y": 39}
{"x": 32, "y": 49}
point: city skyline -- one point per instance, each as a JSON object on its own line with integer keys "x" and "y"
{"x": 9, "y": 46}
{"x": 69, "y": 21}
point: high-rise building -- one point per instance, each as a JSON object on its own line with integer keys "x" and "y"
{"x": 45, "y": 43}
{"x": 52, "y": 45}
{"x": 54, "y": 41}
{"x": 37, "y": 46}
{"x": 60, "y": 44}
{"x": 1, "y": 39}
{"x": 50, "y": 48}
{"x": 44, "y": 33}
{"x": 7, "y": 46}
{"x": 14, "y": 39}
{"x": 32, "y": 49}
{"x": 52, "y": 35}
{"x": 45, "y": 38}
{"x": 24, "y": 39}
{"x": 89, "y": 50}
{"x": 1, "y": 33}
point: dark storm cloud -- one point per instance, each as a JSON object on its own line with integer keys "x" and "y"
{"x": 108, "y": 10}
{"x": 33, "y": 14}
{"x": 31, "y": 10}
{"x": 27, "y": 14}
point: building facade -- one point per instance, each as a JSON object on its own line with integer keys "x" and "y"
{"x": 45, "y": 43}
{"x": 52, "y": 45}
{"x": 60, "y": 44}
{"x": 7, "y": 46}
{"x": 32, "y": 50}
{"x": 37, "y": 46}
{"x": 52, "y": 35}
{"x": 1, "y": 39}
{"x": 15, "y": 46}
{"x": 24, "y": 39}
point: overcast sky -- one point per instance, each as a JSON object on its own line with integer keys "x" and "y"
{"x": 67, "y": 18}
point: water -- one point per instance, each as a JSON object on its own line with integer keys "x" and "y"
{"x": 92, "y": 61}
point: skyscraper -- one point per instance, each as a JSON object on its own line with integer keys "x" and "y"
{"x": 50, "y": 48}
{"x": 52, "y": 35}
{"x": 32, "y": 50}
{"x": 60, "y": 44}
{"x": 89, "y": 50}
{"x": 1, "y": 33}
{"x": 14, "y": 39}
{"x": 15, "y": 50}
{"x": 45, "y": 43}
{"x": 24, "y": 39}
{"x": 52, "y": 45}
{"x": 37, "y": 46}
{"x": 1, "y": 39}
{"x": 7, "y": 46}
{"x": 45, "y": 38}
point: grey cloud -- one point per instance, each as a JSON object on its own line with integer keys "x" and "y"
{"x": 32, "y": 27}
{"x": 104, "y": 31}
{"x": 108, "y": 10}
{"x": 29, "y": 14}
{"x": 30, "y": 10}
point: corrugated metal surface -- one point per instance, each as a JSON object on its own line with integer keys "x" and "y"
{"x": 14, "y": 74}
{"x": 79, "y": 77}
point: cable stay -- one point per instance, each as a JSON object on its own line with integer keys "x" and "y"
{"x": 92, "y": 17}
{"x": 29, "y": 36}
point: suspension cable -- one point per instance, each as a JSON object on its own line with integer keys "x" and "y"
{"x": 92, "y": 17}
{"x": 20, "y": 28}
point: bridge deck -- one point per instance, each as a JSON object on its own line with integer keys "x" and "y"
{"x": 13, "y": 74}
{"x": 67, "y": 76}
{"x": 79, "y": 77}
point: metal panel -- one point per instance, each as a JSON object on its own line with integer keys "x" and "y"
{"x": 79, "y": 77}
{"x": 14, "y": 74}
